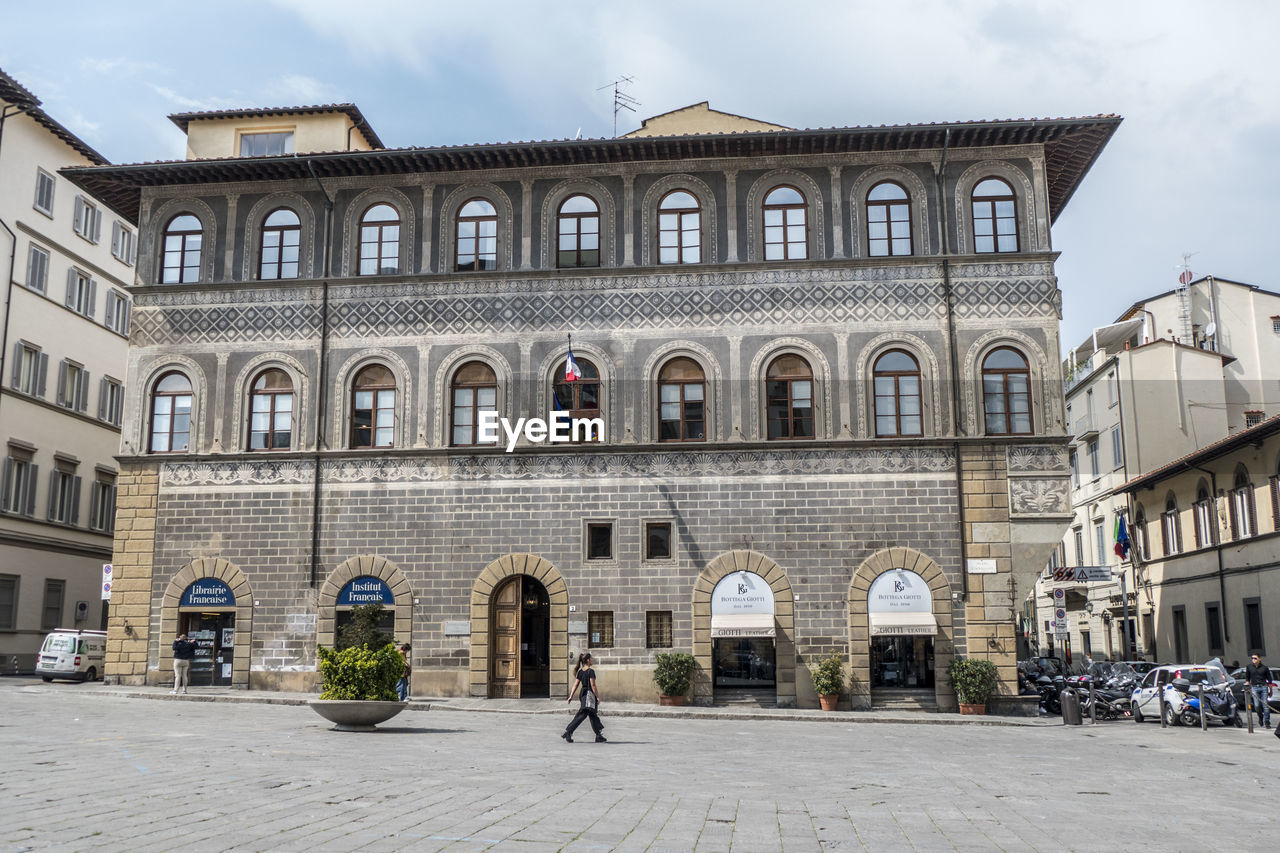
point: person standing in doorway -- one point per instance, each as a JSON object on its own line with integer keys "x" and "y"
{"x": 1258, "y": 677}
{"x": 402, "y": 686}
{"x": 584, "y": 681}
{"x": 184, "y": 652}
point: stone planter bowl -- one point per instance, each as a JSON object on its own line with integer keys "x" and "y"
{"x": 356, "y": 715}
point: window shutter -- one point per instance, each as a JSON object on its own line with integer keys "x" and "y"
{"x": 44, "y": 374}
{"x": 133, "y": 248}
{"x": 75, "y": 500}
{"x": 53, "y": 492}
{"x": 33, "y": 471}
{"x": 124, "y": 317}
{"x": 31, "y": 266}
{"x": 82, "y": 392}
{"x": 60, "y": 396}
{"x": 1234, "y": 516}
{"x": 1275, "y": 502}
{"x": 115, "y": 239}
{"x": 93, "y": 298}
{"x": 8, "y": 487}
{"x": 78, "y": 222}
{"x": 95, "y": 495}
{"x": 15, "y": 378}
{"x": 102, "y": 399}
{"x": 109, "y": 316}
{"x": 71, "y": 289}
{"x": 97, "y": 225}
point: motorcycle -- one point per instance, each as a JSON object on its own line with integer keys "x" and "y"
{"x": 1112, "y": 704}
{"x": 1050, "y": 690}
{"x": 1184, "y": 704}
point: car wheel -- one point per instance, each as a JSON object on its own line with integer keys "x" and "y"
{"x": 1171, "y": 717}
{"x": 91, "y": 675}
{"x": 1137, "y": 714}
{"x": 46, "y": 678}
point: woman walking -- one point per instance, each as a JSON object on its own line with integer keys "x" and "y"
{"x": 584, "y": 679}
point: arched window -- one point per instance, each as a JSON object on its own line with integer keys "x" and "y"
{"x": 271, "y": 411}
{"x": 380, "y": 241}
{"x": 682, "y": 414}
{"x": 896, "y": 377}
{"x": 578, "y": 229}
{"x": 888, "y": 220}
{"x": 477, "y": 236}
{"x": 475, "y": 390}
{"x": 1006, "y": 392}
{"x": 1243, "y": 522}
{"x": 789, "y": 397}
{"x": 581, "y": 397}
{"x": 373, "y": 408}
{"x": 679, "y": 229}
{"x": 786, "y": 236}
{"x": 170, "y": 414}
{"x": 183, "y": 242}
{"x": 1169, "y": 532}
{"x": 1204, "y": 515}
{"x": 281, "y": 235}
{"x": 995, "y": 221}
{"x": 1141, "y": 536}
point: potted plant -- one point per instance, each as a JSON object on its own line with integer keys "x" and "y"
{"x": 358, "y": 686}
{"x": 974, "y": 681}
{"x": 672, "y": 676}
{"x": 828, "y": 681}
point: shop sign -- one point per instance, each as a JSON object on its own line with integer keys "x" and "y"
{"x": 365, "y": 590}
{"x": 741, "y": 593}
{"x": 899, "y": 591}
{"x": 208, "y": 592}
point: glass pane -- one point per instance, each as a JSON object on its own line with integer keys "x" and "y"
{"x": 909, "y": 385}
{"x": 992, "y": 187}
{"x": 669, "y": 393}
{"x": 1022, "y": 423}
{"x": 383, "y": 437}
{"x": 795, "y": 233}
{"x": 886, "y": 406}
{"x": 693, "y": 429}
{"x": 390, "y": 233}
{"x": 1008, "y": 244}
{"x": 784, "y": 195}
{"x": 692, "y": 391}
{"x": 886, "y": 426}
{"x": 902, "y": 247}
{"x": 773, "y": 252}
{"x": 670, "y": 411}
{"x": 381, "y": 213}
{"x": 983, "y": 244}
{"x": 886, "y": 191}
{"x": 667, "y": 256}
{"x": 772, "y": 217}
{"x": 466, "y": 229}
{"x": 462, "y": 435}
{"x": 477, "y": 207}
{"x": 878, "y": 230}
{"x": 911, "y": 425}
{"x": 578, "y": 204}
{"x": 162, "y": 406}
{"x": 159, "y": 442}
{"x": 910, "y": 405}
{"x": 487, "y": 398}
{"x": 364, "y": 400}
{"x": 678, "y": 199}
{"x": 692, "y": 255}
{"x": 259, "y": 421}
{"x": 801, "y": 391}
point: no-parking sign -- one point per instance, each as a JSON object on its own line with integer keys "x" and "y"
{"x": 106, "y": 581}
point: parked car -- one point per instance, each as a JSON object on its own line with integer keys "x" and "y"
{"x": 71, "y": 654}
{"x": 1145, "y": 699}
{"x": 1240, "y": 686}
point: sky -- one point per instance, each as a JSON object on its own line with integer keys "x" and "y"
{"x": 1191, "y": 170}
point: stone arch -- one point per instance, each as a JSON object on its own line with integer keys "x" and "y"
{"x": 373, "y": 566}
{"x": 649, "y": 216}
{"x": 240, "y": 406}
{"x": 917, "y": 195}
{"x": 482, "y": 591}
{"x": 610, "y": 399}
{"x": 929, "y": 378}
{"x": 220, "y": 569}
{"x": 971, "y": 377}
{"x": 784, "y": 616}
{"x": 449, "y": 232}
{"x": 252, "y": 249}
{"x": 813, "y": 204}
{"x": 821, "y": 377}
{"x": 444, "y": 375}
{"x": 160, "y": 217}
{"x": 404, "y": 395}
{"x": 1029, "y": 240}
{"x": 140, "y": 419}
{"x": 710, "y": 368}
{"x": 608, "y": 219}
{"x": 351, "y": 226}
{"x": 872, "y": 567}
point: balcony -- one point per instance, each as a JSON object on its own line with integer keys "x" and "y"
{"x": 1085, "y": 428}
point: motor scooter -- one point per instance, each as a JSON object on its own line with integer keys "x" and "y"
{"x": 1184, "y": 704}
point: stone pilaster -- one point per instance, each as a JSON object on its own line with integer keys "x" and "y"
{"x": 128, "y": 629}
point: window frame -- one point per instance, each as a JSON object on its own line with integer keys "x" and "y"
{"x": 82, "y": 292}
{"x": 680, "y": 230}
{"x": 73, "y": 386}
{"x": 381, "y": 242}
{"x": 681, "y": 384}
{"x": 184, "y": 252}
{"x": 476, "y": 408}
{"x": 110, "y": 400}
{"x": 124, "y": 243}
{"x": 1261, "y": 647}
{"x": 578, "y": 217}
{"x": 560, "y": 387}
{"x": 602, "y": 620}
{"x": 286, "y": 138}
{"x": 878, "y": 373}
{"x": 20, "y": 481}
{"x": 42, "y": 285}
{"x": 589, "y": 541}
{"x": 9, "y": 609}
{"x": 1213, "y": 627}
{"x": 102, "y": 503}
{"x": 1244, "y": 521}
{"x": 648, "y": 555}
{"x": 1203, "y": 515}
{"x": 281, "y": 232}
{"x": 377, "y": 390}
{"x": 477, "y": 238}
{"x": 58, "y": 587}
{"x": 659, "y": 625}
{"x": 30, "y": 369}
{"x": 116, "y": 312}
{"x": 888, "y": 205}
{"x": 1006, "y": 394}
{"x": 993, "y": 217}
{"x": 1170, "y": 532}
{"x": 154, "y": 395}
{"x": 64, "y": 494}
{"x": 786, "y": 208}
{"x": 272, "y": 395}
{"x": 52, "y": 184}
{"x": 789, "y": 419}
{"x": 86, "y": 220}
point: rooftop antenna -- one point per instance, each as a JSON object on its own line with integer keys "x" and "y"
{"x": 621, "y": 100}
{"x": 1183, "y": 292}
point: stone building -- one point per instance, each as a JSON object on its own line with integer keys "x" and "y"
{"x": 824, "y": 361}
{"x": 69, "y": 266}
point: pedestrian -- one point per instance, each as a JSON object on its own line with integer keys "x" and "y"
{"x": 1258, "y": 676}
{"x": 402, "y": 686}
{"x": 184, "y": 652}
{"x": 584, "y": 679}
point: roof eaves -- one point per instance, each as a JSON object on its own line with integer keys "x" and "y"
{"x": 1223, "y": 445}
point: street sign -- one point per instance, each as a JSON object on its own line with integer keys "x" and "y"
{"x": 1060, "y": 614}
{"x": 1082, "y": 574}
{"x": 106, "y": 581}
{"x": 1059, "y": 594}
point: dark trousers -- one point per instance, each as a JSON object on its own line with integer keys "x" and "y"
{"x": 583, "y": 713}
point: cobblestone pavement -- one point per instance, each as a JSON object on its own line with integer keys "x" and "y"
{"x": 88, "y": 770}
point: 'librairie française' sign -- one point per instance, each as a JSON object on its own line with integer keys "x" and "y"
{"x": 208, "y": 592}
{"x": 365, "y": 590}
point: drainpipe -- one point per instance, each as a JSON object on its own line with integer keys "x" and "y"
{"x": 13, "y": 252}
{"x": 322, "y": 378}
{"x": 1217, "y": 546}
{"x": 944, "y": 244}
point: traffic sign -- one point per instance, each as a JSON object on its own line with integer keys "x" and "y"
{"x": 1060, "y": 614}
{"x": 106, "y": 581}
{"x": 1059, "y": 594}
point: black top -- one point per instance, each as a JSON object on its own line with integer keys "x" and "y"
{"x": 184, "y": 650}
{"x": 584, "y": 680}
{"x": 1257, "y": 673}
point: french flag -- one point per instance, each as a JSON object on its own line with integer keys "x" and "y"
{"x": 571, "y": 370}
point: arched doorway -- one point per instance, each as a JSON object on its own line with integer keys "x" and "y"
{"x": 900, "y": 615}
{"x": 493, "y": 579}
{"x": 520, "y": 639}
{"x": 210, "y": 600}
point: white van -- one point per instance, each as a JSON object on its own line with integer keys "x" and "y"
{"x": 76, "y": 655}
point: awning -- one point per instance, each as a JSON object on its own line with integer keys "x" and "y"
{"x": 742, "y": 625}
{"x": 903, "y": 624}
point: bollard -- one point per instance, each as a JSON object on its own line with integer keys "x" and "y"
{"x": 1163, "y": 723}
{"x": 1203, "y": 725}
{"x": 1093, "y": 704}
{"x": 1248, "y": 705}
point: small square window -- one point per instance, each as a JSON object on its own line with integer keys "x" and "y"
{"x": 1252, "y": 419}
{"x": 266, "y": 144}
{"x": 657, "y": 629}
{"x": 600, "y": 540}
{"x": 600, "y": 629}
{"x": 657, "y": 540}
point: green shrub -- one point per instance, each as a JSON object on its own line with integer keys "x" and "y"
{"x": 973, "y": 679}
{"x": 674, "y": 673}
{"x": 828, "y": 676}
{"x": 360, "y": 673}
{"x": 364, "y": 629}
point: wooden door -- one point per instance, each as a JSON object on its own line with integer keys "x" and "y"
{"x": 504, "y": 641}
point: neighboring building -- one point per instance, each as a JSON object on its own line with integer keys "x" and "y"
{"x": 1136, "y": 402}
{"x": 62, "y": 372}
{"x": 1208, "y": 529}
{"x": 823, "y": 363}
